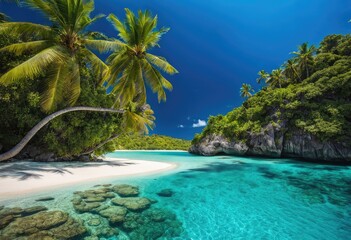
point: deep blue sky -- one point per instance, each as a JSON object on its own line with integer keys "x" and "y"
{"x": 218, "y": 45}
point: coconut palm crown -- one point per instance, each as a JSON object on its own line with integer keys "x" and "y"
{"x": 304, "y": 58}
{"x": 132, "y": 65}
{"x": 56, "y": 51}
{"x": 246, "y": 90}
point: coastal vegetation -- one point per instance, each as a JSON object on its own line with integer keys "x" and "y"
{"x": 153, "y": 142}
{"x": 45, "y": 69}
{"x": 309, "y": 95}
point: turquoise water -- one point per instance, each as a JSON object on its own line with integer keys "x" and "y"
{"x": 226, "y": 197}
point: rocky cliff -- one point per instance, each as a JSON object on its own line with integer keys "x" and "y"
{"x": 272, "y": 142}
{"x": 303, "y": 111}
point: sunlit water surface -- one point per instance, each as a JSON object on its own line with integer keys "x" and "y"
{"x": 227, "y": 197}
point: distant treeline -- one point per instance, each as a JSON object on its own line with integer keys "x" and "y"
{"x": 153, "y": 142}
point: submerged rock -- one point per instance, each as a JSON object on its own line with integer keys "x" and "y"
{"x": 8, "y": 215}
{"x": 91, "y": 200}
{"x": 82, "y": 207}
{"x": 125, "y": 190}
{"x": 152, "y": 224}
{"x": 94, "y": 222}
{"x": 45, "y": 199}
{"x": 133, "y": 203}
{"x": 106, "y": 232}
{"x": 166, "y": 193}
{"x": 114, "y": 214}
{"x": 94, "y": 199}
{"x": 44, "y": 225}
{"x": 33, "y": 210}
{"x": 6, "y": 220}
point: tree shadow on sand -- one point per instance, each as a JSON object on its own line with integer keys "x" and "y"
{"x": 24, "y": 170}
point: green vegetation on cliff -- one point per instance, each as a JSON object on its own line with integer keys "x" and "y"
{"x": 153, "y": 142}
{"x": 310, "y": 93}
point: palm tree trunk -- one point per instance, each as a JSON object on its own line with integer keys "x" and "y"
{"x": 307, "y": 71}
{"x": 91, "y": 150}
{"x": 18, "y": 148}
{"x": 296, "y": 73}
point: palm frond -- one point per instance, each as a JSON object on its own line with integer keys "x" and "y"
{"x": 20, "y": 48}
{"x": 120, "y": 27}
{"x": 88, "y": 21}
{"x": 53, "y": 91}
{"x": 118, "y": 62}
{"x": 161, "y": 63}
{"x": 153, "y": 38}
{"x": 73, "y": 88}
{"x": 104, "y": 46}
{"x": 25, "y": 29}
{"x": 125, "y": 87}
{"x": 131, "y": 23}
{"x": 33, "y": 66}
{"x": 139, "y": 118}
{"x": 156, "y": 81}
{"x": 99, "y": 67}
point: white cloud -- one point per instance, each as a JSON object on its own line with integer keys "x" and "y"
{"x": 200, "y": 123}
{"x": 180, "y": 126}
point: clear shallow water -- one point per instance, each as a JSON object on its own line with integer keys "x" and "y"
{"x": 238, "y": 198}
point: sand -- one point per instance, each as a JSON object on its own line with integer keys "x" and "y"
{"x": 48, "y": 177}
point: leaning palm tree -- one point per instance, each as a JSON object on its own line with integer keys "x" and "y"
{"x": 276, "y": 78}
{"x": 246, "y": 90}
{"x": 304, "y": 58}
{"x": 290, "y": 70}
{"x": 57, "y": 51}
{"x": 132, "y": 65}
{"x": 263, "y": 76}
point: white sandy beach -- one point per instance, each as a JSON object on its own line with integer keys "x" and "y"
{"x": 47, "y": 178}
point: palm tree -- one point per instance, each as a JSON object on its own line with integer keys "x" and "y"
{"x": 58, "y": 50}
{"x": 132, "y": 65}
{"x": 276, "y": 78}
{"x": 246, "y": 90}
{"x": 290, "y": 70}
{"x": 304, "y": 58}
{"x": 263, "y": 76}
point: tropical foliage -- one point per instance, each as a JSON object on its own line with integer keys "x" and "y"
{"x": 310, "y": 93}
{"x": 46, "y": 68}
{"x": 57, "y": 52}
{"x": 153, "y": 142}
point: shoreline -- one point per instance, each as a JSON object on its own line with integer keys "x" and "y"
{"x": 11, "y": 187}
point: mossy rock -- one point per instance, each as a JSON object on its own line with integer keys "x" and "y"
{"x": 165, "y": 193}
{"x": 133, "y": 203}
{"x": 44, "y": 225}
{"x": 125, "y": 190}
{"x": 33, "y": 210}
{"x": 45, "y": 199}
{"x": 114, "y": 214}
{"x": 152, "y": 224}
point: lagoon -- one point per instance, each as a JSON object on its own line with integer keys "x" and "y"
{"x": 226, "y": 197}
